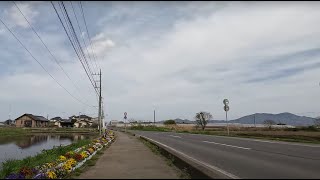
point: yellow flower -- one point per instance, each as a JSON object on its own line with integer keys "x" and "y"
{"x": 67, "y": 166}
{"x": 72, "y": 161}
{"x": 62, "y": 158}
{"x": 52, "y": 175}
{"x": 84, "y": 154}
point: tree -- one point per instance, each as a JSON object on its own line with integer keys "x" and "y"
{"x": 132, "y": 121}
{"x": 94, "y": 125}
{"x": 169, "y": 122}
{"x": 317, "y": 122}
{"x": 202, "y": 119}
{"x": 269, "y": 123}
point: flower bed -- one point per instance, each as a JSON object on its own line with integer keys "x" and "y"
{"x": 66, "y": 163}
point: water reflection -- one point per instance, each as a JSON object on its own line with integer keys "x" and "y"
{"x": 20, "y": 147}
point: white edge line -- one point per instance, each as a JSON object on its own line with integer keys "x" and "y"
{"x": 227, "y": 145}
{"x": 200, "y": 162}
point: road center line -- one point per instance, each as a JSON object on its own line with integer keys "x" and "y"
{"x": 227, "y": 145}
{"x": 175, "y": 136}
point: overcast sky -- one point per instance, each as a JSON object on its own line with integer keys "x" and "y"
{"x": 177, "y": 57}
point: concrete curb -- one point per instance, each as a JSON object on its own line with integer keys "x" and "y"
{"x": 197, "y": 167}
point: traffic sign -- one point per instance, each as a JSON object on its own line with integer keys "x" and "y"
{"x": 125, "y": 113}
{"x": 226, "y": 108}
{"x": 225, "y": 101}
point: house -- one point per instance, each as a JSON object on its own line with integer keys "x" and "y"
{"x": 113, "y": 122}
{"x": 66, "y": 123}
{"x": 81, "y": 117}
{"x": 82, "y": 121}
{"x": 9, "y": 122}
{"x": 30, "y": 120}
{"x": 59, "y": 122}
{"x": 55, "y": 119}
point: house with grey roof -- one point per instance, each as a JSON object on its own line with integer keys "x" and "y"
{"x": 30, "y": 120}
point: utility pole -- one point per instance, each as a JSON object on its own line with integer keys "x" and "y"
{"x": 254, "y": 120}
{"x": 154, "y": 117}
{"x": 100, "y": 120}
{"x": 99, "y": 113}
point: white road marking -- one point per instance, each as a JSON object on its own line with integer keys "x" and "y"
{"x": 266, "y": 141}
{"x": 175, "y": 136}
{"x": 227, "y": 145}
{"x": 197, "y": 161}
{"x": 306, "y": 145}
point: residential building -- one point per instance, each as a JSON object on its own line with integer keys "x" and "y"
{"x": 59, "y": 122}
{"x": 82, "y": 121}
{"x": 9, "y": 122}
{"x": 81, "y": 117}
{"x": 113, "y": 122}
{"x": 30, "y": 120}
{"x": 66, "y": 123}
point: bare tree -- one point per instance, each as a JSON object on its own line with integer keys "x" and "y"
{"x": 269, "y": 123}
{"x": 202, "y": 119}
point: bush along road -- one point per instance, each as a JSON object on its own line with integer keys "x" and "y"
{"x": 65, "y": 160}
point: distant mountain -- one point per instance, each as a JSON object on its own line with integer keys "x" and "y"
{"x": 283, "y": 118}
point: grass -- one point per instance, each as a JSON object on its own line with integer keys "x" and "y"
{"x": 170, "y": 160}
{"x": 13, "y": 131}
{"x": 300, "y": 134}
{"x": 41, "y": 158}
{"x": 149, "y": 128}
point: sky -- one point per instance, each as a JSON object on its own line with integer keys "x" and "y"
{"x": 178, "y": 58}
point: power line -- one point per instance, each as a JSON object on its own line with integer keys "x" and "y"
{"x": 54, "y": 58}
{"x": 39, "y": 62}
{"x": 76, "y": 38}
{"x": 73, "y": 45}
{"x": 77, "y": 42}
{"x": 84, "y": 19}
{"x": 80, "y": 30}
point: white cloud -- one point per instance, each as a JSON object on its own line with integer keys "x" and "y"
{"x": 191, "y": 65}
{"x": 17, "y": 18}
{"x": 2, "y": 31}
{"x": 102, "y": 44}
{"x": 233, "y": 37}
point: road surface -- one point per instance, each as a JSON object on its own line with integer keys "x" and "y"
{"x": 245, "y": 158}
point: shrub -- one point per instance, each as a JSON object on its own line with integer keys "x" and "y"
{"x": 169, "y": 122}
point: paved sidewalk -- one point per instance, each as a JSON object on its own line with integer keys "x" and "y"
{"x": 129, "y": 158}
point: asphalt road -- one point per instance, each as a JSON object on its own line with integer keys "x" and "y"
{"x": 246, "y": 158}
